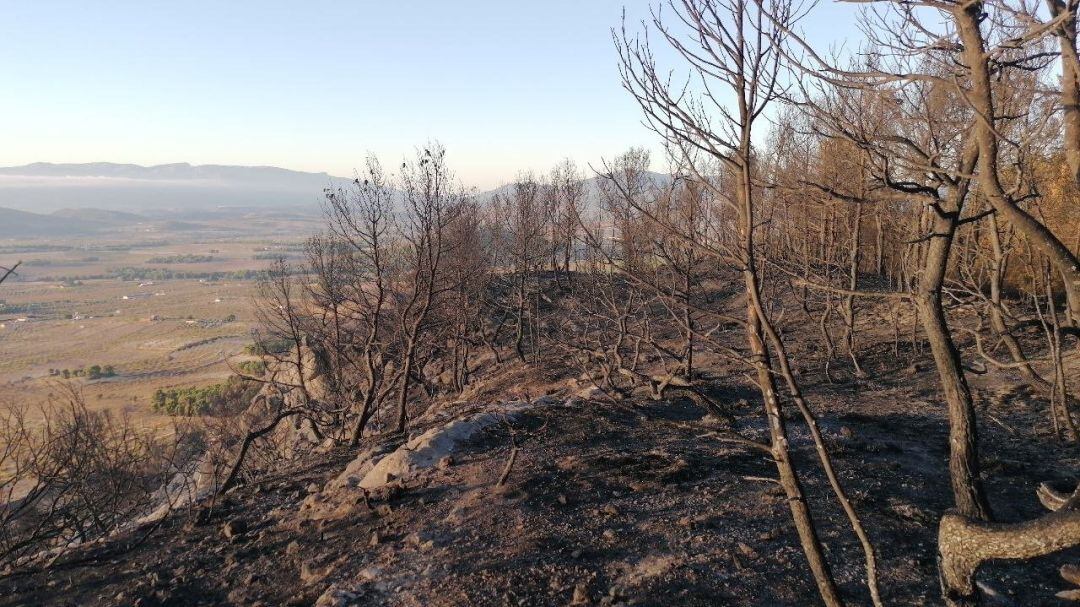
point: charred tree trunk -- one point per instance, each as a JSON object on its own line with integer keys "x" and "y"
{"x": 853, "y": 285}
{"x": 968, "y": 494}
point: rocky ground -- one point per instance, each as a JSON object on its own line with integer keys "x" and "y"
{"x": 640, "y": 503}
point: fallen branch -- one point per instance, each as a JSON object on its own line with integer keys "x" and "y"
{"x": 238, "y": 462}
{"x": 509, "y": 466}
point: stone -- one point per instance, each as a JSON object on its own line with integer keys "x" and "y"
{"x": 310, "y": 573}
{"x": 713, "y": 421}
{"x": 238, "y": 596}
{"x": 1070, "y": 572}
{"x": 292, "y": 548}
{"x": 581, "y": 595}
{"x": 911, "y": 512}
{"x": 233, "y": 528}
{"x": 747, "y": 551}
{"x": 336, "y": 597}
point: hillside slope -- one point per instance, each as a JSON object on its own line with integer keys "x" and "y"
{"x": 19, "y": 224}
{"x": 642, "y": 503}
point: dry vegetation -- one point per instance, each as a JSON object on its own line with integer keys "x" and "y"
{"x": 837, "y": 364}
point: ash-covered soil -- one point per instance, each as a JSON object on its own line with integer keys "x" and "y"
{"x": 637, "y": 503}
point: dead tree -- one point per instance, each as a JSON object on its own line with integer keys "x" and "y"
{"x": 360, "y": 219}
{"x": 524, "y": 234}
{"x": 734, "y": 45}
{"x": 928, "y": 128}
{"x": 666, "y": 272}
{"x": 968, "y": 18}
{"x": 959, "y": 67}
{"x": 432, "y": 201}
{"x": 466, "y": 309}
{"x": 72, "y": 475}
{"x": 567, "y": 191}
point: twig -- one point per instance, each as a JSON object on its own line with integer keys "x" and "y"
{"x": 9, "y": 271}
{"x": 509, "y": 466}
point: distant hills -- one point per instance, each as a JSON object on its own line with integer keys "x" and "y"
{"x": 60, "y": 199}
{"x": 181, "y": 171}
{"x": 66, "y": 222}
{"x": 48, "y": 187}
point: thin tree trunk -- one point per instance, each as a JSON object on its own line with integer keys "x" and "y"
{"x": 853, "y": 285}
{"x": 997, "y": 317}
{"x": 789, "y": 479}
{"x": 822, "y": 451}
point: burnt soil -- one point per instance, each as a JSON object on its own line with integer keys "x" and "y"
{"x": 636, "y": 503}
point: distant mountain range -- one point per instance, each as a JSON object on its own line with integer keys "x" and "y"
{"x": 45, "y": 199}
{"x": 175, "y": 172}
{"x": 47, "y": 187}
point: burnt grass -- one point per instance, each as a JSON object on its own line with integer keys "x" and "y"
{"x": 637, "y": 503}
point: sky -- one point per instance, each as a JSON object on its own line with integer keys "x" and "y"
{"x": 318, "y": 85}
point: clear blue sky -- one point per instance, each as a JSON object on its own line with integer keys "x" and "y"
{"x": 314, "y": 85}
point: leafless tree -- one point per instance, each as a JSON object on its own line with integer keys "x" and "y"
{"x": 433, "y": 200}
{"x": 523, "y": 234}
{"x": 360, "y": 219}
{"x": 734, "y": 49}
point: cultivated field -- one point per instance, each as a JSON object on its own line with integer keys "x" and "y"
{"x": 162, "y": 310}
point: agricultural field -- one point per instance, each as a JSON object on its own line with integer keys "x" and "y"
{"x": 150, "y": 311}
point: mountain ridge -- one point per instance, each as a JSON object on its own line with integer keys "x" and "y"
{"x": 183, "y": 170}
{"x": 44, "y": 187}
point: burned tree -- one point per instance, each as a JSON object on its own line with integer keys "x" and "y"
{"x": 735, "y": 48}
{"x": 433, "y": 200}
